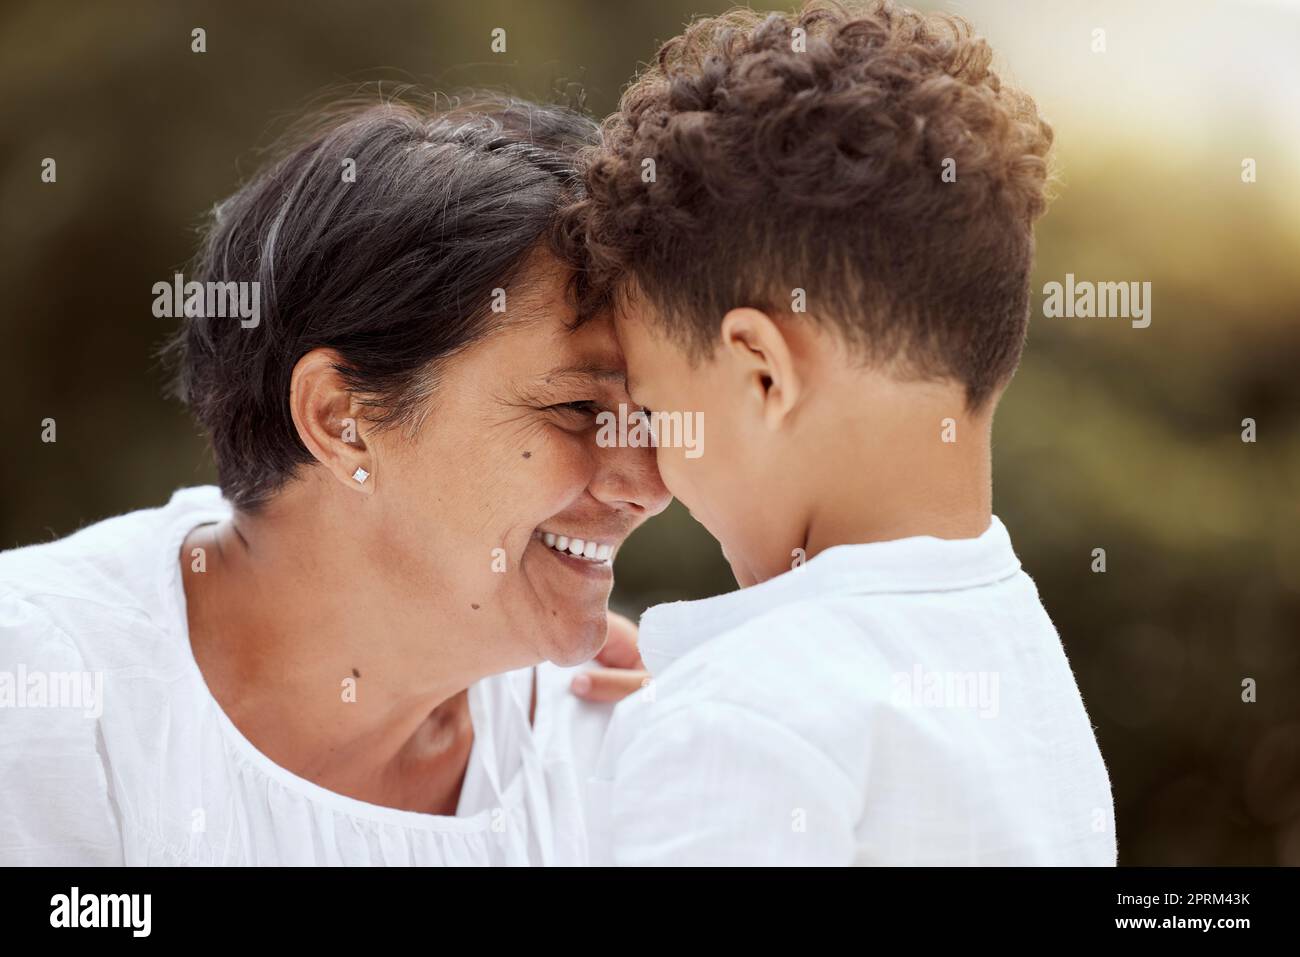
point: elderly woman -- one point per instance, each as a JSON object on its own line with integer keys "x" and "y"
{"x": 329, "y": 660}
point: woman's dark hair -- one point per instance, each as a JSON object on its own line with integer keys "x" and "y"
{"x": 394, "y": 268}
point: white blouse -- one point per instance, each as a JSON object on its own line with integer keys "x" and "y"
{"x": 113, "y": 751}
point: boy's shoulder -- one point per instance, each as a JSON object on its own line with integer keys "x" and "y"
{"x": 831, "y": 668}
{"x": 815, "y": 652}
{"x": 806, "y": 666}
{"x": 820, "y": 641}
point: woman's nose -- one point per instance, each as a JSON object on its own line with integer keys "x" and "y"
{"x": 628, "y": 479}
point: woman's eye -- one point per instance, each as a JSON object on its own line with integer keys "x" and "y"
{"x": 583, "y": 408}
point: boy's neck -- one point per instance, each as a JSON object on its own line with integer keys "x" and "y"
{"x": 921, "y": 465}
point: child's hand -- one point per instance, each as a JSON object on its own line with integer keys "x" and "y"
{"x": 624, "y": 672}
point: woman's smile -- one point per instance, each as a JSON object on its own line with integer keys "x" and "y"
{"x": 586, "y": 548}
{"x": 588, "y": 557}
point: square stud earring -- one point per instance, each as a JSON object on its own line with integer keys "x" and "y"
{"x": 360, "y": 475}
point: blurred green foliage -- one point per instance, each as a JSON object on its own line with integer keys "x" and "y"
{"x": 1110, "y": 437}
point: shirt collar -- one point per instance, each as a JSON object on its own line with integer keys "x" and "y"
{"x": 919, "y": 564}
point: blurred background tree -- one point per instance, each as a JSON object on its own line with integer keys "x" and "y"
{"x": 1111, "y": 437}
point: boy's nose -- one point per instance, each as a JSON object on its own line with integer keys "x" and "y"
{"x": 628, "y": 479}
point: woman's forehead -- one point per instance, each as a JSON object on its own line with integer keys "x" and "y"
{"x": 588, "y": 354}
{"x": 586, "y": 373}
{"x": 545, "y": 350}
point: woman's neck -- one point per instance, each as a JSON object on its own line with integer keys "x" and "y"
{"x": 312, "y": 668}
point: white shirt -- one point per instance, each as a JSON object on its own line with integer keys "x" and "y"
{"x": 896, "y": 703}
{"x": 162, "y": 776}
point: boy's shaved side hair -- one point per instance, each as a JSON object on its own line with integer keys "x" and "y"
{"x": 761, "y": 154}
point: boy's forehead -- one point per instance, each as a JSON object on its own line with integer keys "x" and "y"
{"x": 642, "y": 340}
{"x": 631, "y": 320}
{"x": 629, "y": 303}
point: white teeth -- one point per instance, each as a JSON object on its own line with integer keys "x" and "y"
{"x": 577, "y": 547}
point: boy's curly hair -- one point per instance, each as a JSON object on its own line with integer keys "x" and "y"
{"x": 752, "y": 159}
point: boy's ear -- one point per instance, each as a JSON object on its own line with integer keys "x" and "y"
{"x": 760, "y": 352}
{"x": 328, "y": 420}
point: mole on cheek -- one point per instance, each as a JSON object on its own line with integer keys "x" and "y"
{"x": 355, "y": 673}
{"x": 528, "y": 455}
{"x": 475, "y": 607}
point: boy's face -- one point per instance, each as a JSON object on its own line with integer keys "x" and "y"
{"x": 726, "y": 480}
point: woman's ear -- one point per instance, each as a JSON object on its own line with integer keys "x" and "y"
{"x": 328, "y": 421}
{"x": 760, "y": 352}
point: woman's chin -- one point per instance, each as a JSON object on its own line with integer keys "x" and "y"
{"x": 574, "y": 594}
{"x": 578, "y": 640}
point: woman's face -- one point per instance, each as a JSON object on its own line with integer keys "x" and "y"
{"x": 506, "y": 462}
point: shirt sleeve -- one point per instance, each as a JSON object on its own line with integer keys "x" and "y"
{"x": 55, "y": 807}
{"x": 719, "y": 784}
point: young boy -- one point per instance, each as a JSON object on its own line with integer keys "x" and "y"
{"x": 817, "y": 233}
